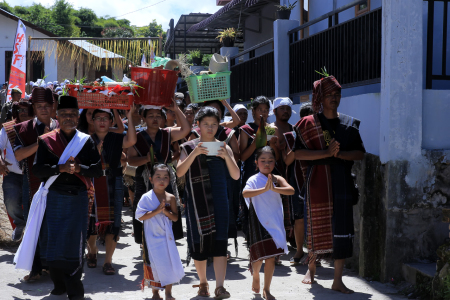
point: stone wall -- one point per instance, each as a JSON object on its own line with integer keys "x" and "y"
{"x": 369, "y": 217}
{"x": 399, "y": 216}
{"x": 65, "y": 67}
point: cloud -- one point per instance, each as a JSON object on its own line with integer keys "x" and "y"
{"x": 162, "y": 12}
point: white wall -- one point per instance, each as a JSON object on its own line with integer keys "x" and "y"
{"x": 7, "y": 34}
{"x": 435, "y": 115}
{"x": 319, "y": 8}
{"x": 366, "y": 108}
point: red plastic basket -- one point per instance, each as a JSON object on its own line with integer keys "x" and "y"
{"x": 159, "y": 86}
{"x": 98, "y": 100}
{"x": 71, "y": 89}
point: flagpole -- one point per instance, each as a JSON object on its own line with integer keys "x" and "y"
{"x": 28, "y": 64}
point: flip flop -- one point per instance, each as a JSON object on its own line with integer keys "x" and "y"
{"x": 91, "y": 260}
{"x": 32, "y": 277}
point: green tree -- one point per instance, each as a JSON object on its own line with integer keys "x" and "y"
{"x": 62, "y": 14}
{"x": 152, "y": 30}
{"x": 87, "y": 20}
{"x": 117, "y": 32}
{"x": 5, "y": 6}
{"x": 21, "y": 11}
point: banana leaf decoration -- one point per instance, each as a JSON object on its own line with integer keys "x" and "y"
{"x": 261, "y": 135}
{"x": 152, "y": 156}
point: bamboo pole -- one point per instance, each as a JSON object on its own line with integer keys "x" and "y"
{"x": 92, "y": 38}
{"x": 28, "y": 65}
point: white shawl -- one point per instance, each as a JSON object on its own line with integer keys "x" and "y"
{"x": 269, "y": 209}
{"x": 162, "y": 250}
{"x": 25, "y": 254}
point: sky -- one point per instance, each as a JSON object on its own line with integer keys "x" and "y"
{"x": 162, "y": 10}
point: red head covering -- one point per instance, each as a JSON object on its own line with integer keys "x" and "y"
{"x": 321, "y": 88}
{"x": 41, "y": 94}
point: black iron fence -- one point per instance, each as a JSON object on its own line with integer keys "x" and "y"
{"x": 440, "y": 63}
{"x": 252, "y": 77}
{"x": 350, "y": 51}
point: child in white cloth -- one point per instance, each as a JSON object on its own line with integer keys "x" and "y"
{"x": 266, "y": 219}
{"x": 162, "y": 263}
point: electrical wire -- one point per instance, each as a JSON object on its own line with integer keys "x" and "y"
{"x": 141, "y": 8}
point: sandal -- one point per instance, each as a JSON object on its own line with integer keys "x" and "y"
{"x": 296, "y": 261}
{"x": 278, "y": 260}
{"x": 108, "y": 269}
{"x": 268, "y": 296}
{"x": 32, "y": 277}
{"x": 221, "y": 293}
{"x": 203, "y": 289}
{"x": 91, "y": 260}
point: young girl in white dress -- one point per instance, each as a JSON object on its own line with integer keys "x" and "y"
{"x": 162, "y": 263}
{"x": 267, "y": 236}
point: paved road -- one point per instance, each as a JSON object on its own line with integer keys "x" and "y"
{"x": 129, "y": 273}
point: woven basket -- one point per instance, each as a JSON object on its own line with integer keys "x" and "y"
{"x": 208, "y": 87}
{"x": 98, "y": 100}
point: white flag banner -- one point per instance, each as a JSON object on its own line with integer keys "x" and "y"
{"x": 17, "y": 76}
{"x": 143, "y": 61}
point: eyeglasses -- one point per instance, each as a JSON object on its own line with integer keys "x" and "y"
{"x": 100, "y": 119}
{"x": 22, "y": 110}
{"x": 335, "y": 96}
{"x": 68, "y": 116}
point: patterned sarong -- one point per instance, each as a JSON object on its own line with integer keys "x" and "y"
{"x": 104, "y": 200}
{"x": 10, "y": 132}
{"x": 200, "y": 186}
{"x": 261, "y": 242}
{"x": 319, "y": 195}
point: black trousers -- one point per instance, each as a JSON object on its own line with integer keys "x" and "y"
{"x": 63, "y": 280}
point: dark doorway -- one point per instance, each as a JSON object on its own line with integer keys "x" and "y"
{"x": 36, "y": 65}
{"x": 103, "y": 72}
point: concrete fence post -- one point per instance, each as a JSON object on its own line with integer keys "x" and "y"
{"x": 281, "y": 55}
{"x": 401, "y": 80}
{"x": 229, "y": 52}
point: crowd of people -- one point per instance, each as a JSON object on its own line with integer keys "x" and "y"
{"x": 68, "y": 173}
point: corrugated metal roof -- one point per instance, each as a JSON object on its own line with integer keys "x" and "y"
{"x": 204, "y": 40}
{"x": 203, "y": 24}
{"x": 95, "y": 50}
{"x": 229, "y": 15}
